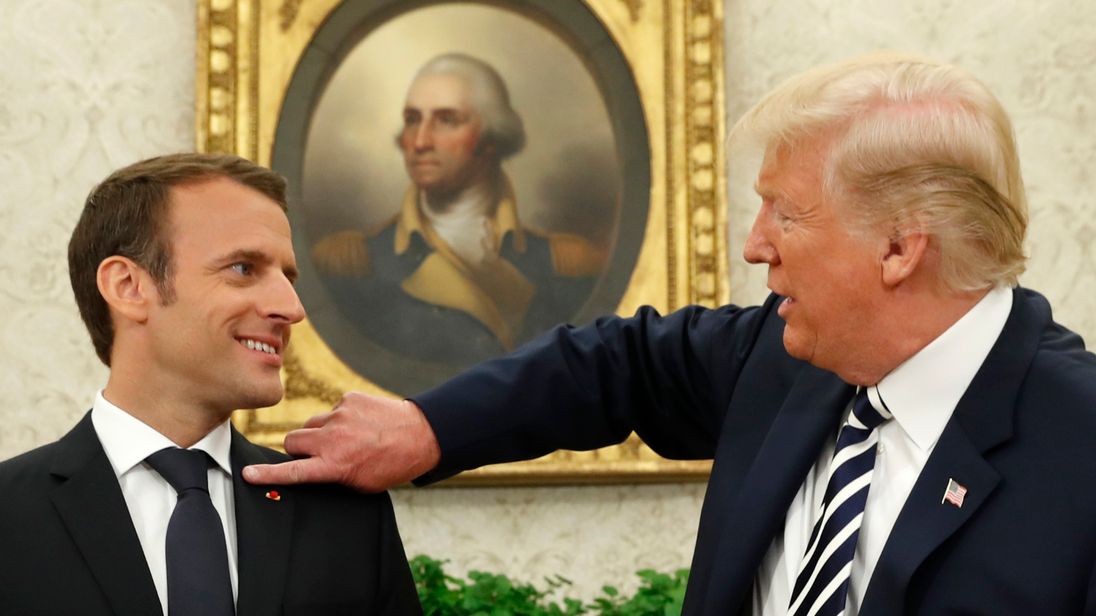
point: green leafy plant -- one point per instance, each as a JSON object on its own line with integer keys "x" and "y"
{"x": 492, "y": 594}
{"x": 659, "y": 594}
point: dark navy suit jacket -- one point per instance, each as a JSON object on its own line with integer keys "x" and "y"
{"x": 70, "y": 547}
{"x": 718, "y": 384}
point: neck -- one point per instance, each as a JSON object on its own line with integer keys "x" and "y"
{"x": 150, "y": 400}
{"x": 907, "y": 322}
{"x": 477, "y": 197}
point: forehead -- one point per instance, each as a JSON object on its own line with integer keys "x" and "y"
{"x": 438, "y": 91}
{"x": 221, "y": 214}
{"x": 793, "y": 170}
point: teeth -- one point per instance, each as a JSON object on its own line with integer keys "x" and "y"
{"x": 255, "y": 345}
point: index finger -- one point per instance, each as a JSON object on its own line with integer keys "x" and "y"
{"x": 305, "y": 470}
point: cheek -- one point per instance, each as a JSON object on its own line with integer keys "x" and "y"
{"x": 460, "y": 143}
{"x": 848, "y": 306}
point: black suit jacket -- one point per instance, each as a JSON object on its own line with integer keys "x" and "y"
{"x": 70, "y": 547}
{"x": 718, "y": 384}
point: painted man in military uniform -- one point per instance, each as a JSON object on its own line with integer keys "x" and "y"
{"x": 455, "y": 277}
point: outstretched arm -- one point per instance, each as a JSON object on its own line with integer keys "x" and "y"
{"x": 366, "y": 442}
{"x": 669, "y": 379}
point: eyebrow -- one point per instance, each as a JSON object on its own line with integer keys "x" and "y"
{"x": 772, "y": 193}
{"x": 255, "y": 256}
{"x": 434, "y": 110}
{"x": 764, "y": 194}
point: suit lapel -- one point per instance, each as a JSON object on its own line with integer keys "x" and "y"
{"x": 263, "y": 535}
{"x": 92, "y": 508}
{"x": 809, "y": 415}
{"x": 983, "y": 419}
{"x": 926, "y": 521}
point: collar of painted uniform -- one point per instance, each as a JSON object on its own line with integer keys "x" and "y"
{"x": 411, "y": 219}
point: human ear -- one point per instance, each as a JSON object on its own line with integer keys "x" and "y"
{"x": 126, "y": 287}
{"x": 486, "y": 148}
{"x": 905, "y": 251}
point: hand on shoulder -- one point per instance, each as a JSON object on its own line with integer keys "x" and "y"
{"x": 366, "y": 442}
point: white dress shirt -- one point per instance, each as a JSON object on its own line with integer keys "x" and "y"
{"x": 149, "y": 497}
{"x": 921, "y": 393}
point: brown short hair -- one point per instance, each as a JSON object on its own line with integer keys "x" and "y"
{"x": 125, "y": 215}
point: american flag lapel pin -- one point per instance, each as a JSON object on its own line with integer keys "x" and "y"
{"x": 954, "y": 493}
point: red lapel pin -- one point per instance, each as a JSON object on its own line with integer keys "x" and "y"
{"x": 274, "y": 495}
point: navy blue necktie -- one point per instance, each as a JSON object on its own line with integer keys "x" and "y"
{"x": 823, "y": 582}
{"x": 197, "y": 560}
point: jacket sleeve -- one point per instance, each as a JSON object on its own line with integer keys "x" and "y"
{"x": 668, "y": 378}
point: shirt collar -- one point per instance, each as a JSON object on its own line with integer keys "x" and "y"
{"x": 924, "y": 390}
{"x": 128, "y": 440}
{"x": 411, "y": 220}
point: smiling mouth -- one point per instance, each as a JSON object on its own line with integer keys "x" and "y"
{"x": 256, "y": 345}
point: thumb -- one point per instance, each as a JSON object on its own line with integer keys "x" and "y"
{"x": 305, "y": 470}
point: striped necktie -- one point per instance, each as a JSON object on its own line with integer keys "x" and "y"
{"x": 823, "y": 581}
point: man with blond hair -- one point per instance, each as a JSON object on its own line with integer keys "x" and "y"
{"x": 898, "y": 429}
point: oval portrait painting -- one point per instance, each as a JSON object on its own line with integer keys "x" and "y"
{"x": 465, "y": 177}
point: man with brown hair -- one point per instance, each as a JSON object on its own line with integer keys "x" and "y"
{"x": 183, "y": 271}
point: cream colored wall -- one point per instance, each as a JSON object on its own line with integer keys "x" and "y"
{"x": 89, "y": 85}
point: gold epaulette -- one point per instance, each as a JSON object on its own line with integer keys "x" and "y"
{"x": 576, "y": 256}
{"x": 343, "y": 254}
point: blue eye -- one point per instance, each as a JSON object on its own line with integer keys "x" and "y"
{"x": 242, "y": 268}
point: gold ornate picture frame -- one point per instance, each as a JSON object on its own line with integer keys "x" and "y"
{"x": 656, "y": 71}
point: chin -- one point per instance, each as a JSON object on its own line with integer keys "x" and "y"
{"x": 267, "y": 396}
{"x": 796, "y": 346}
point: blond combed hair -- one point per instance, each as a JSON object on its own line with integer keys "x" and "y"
{"x": 913, "y": 144}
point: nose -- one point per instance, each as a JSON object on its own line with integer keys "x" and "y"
{"x": 283, "y": 303}
{"x": 758, "y": 248}
{"x": 424, "y": 135}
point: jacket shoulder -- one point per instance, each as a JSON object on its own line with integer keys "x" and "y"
{"x": 27, "y": 482}
{"x": 1060, "y": 355}
{"x": 573, "y": 255}
{"x": 347, "y": 253}
{"x": 1062, "y": 369}
{"x": 1057, "y": 396}
{"x": 344, "y": 254}
{"x": 268, "y": 455}
{"x": 29, "y": 465}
